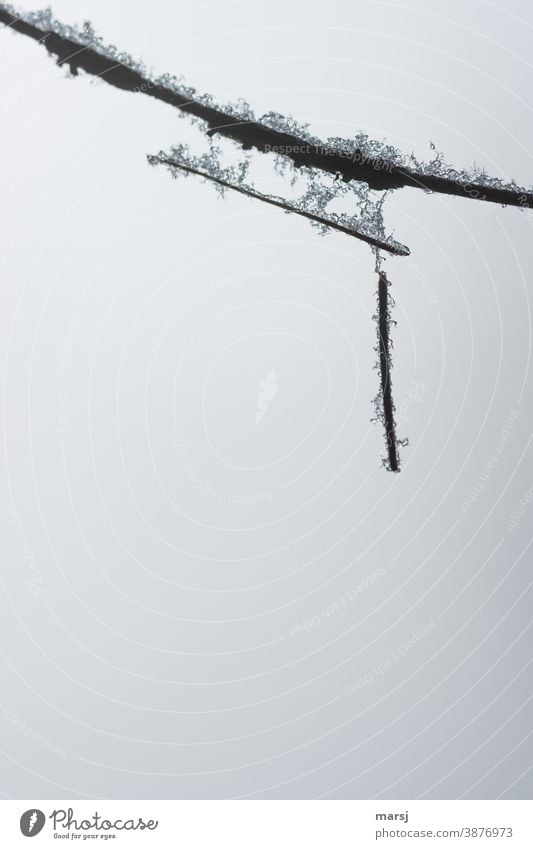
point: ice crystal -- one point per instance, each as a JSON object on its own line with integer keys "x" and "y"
{"x": 336, "y": 183}
{"x": 312, "y": 193}
{"x": 377, "y": 156}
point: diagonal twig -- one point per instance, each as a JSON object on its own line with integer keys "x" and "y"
{"x": 333, "y": 223}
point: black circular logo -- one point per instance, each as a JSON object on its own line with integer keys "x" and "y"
{"x": 32, "y": 822}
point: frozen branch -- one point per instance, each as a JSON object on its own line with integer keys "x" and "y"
{"x": 312, "y": 206}
{"x": 379, "y": 165}
{"x": 384, "y": 402}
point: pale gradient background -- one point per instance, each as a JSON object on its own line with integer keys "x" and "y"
{"x": 158, "y": 548}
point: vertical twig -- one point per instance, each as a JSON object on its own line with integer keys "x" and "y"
{"x": 385, "y": 371}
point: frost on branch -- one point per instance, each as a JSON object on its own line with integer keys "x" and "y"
{"x": 326, "y": 201}
{"x": 337, "y": 184}
{"x": 360, "y": 158}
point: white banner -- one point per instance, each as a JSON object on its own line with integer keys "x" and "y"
{"x": 269, "y": 824}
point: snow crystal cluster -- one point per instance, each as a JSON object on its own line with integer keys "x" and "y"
{"x": 317, "y": 195}
{"x": 361, "y": 147}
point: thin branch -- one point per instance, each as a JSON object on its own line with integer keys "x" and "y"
{"x": 385, "y": 244}
{"x": 385, "y": 365}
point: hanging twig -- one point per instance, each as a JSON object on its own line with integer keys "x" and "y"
{"x": 385, "y": 365}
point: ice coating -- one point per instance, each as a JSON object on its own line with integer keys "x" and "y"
{"x": 361, "y": 158}
{"x": 309, "y": 192}
{"x": 319, "y": 189}
{"x": 317, "y": 175}
{"x": 384, "y": 407}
